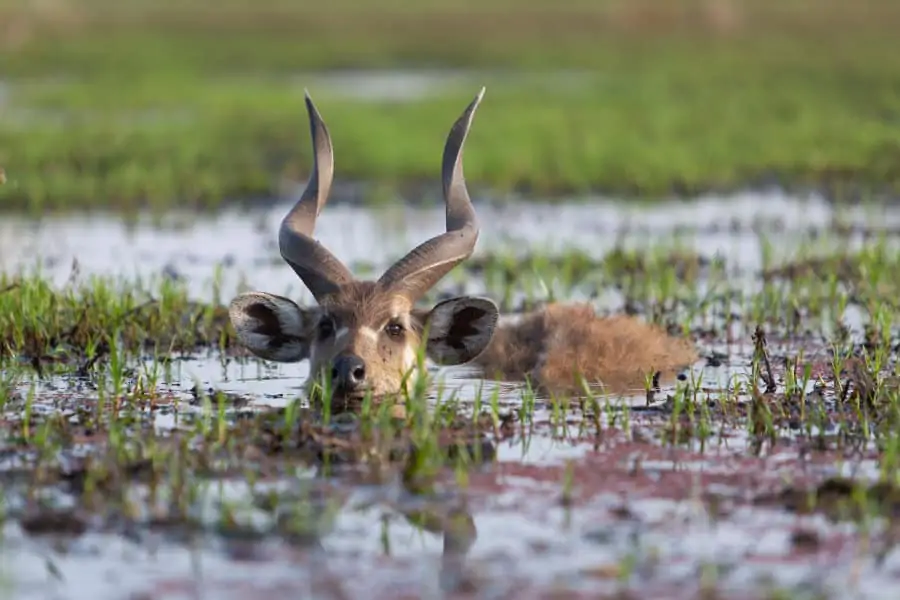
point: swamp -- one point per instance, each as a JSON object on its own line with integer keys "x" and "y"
{"x": 727, "y": 170}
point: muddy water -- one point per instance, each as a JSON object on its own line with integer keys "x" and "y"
{"x": 639, "y": 516}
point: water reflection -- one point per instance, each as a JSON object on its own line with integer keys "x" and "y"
{"x": 509, "y": 525}
{"x": 243, "y": 244}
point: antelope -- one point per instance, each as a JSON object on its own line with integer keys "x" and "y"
{"x": 366, "y": 335}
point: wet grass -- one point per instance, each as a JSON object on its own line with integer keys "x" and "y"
{"x": 83, "y": 368}
{"x": 127, "y": 107}
{"x": 91, "y": 318}
{"x": 87, "y": 372}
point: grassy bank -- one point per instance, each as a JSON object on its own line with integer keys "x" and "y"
{"x": 151, "y": 104}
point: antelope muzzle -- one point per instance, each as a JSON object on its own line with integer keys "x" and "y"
{"x": 348, "y": 374}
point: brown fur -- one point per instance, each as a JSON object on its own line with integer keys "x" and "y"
{"x": 557, "y": 348}
{"x": 365, "y": 336}
{"x": 362, "y": 325}
{"x": 361, "y": 302}
{"x": 362, "y": 305}
{"x": 552, "y": 346}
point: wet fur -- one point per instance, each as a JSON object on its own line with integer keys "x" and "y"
{"x": 555, "y": 344}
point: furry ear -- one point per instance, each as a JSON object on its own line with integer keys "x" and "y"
{"x": 459, "y": 329}
{"x": 271, "y": 327}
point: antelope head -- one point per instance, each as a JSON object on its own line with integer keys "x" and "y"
{"x": 365, "y": 335}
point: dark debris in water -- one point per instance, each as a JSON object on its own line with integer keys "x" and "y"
{"x": 350, "y": 441}
{"x": 56, "y": 522}
{"x": 198, "y": 396}
{"x": 839, "y": 498}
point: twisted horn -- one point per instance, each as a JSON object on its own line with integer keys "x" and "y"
{"x": 321, "y": 272}
{"x": 414, "y": 274}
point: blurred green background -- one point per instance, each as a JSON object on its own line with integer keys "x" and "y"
{"x": 159, "y": 103}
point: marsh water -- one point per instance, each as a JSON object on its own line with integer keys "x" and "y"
{"x": 651, "y": 533}
{"x": 244, "y": 242}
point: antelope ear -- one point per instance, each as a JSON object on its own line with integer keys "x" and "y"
{"x": 459, "y": 329}
{"x": 271, "y": 327}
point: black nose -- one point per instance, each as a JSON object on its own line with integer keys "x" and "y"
{"x": 348, "y": 372}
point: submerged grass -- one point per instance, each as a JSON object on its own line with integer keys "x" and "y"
{"x": 84, "y": 386}
{"x": 118, "y": 107}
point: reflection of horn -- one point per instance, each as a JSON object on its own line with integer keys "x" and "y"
{"x": 320, "y": 270}
{"x": 455, "y": 522}
{"x": 459, "y": 538}
{"x": 460, "y": 533}
{"x": 452, "y": 520}
{"x": 417, "y": 272}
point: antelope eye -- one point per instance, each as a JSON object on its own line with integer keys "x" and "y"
{"x": 326, "y": 328}
{"x": 394, "y": 329}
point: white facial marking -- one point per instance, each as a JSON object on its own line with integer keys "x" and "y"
{"x": 341, "y": 334}
{"x": 369, "y": 333}
{"x": 409, "y": 358}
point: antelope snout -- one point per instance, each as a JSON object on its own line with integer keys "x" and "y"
{"x": 348, "y": 373}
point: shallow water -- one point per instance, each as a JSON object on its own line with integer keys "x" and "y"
{"x": 244, "y": 243}
{"x": 650, "y": 530}
{"x": 541, "y": 548}
{"x": 526, "y": 539}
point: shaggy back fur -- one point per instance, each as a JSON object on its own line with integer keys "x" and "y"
{"x": 556, "y": 345}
